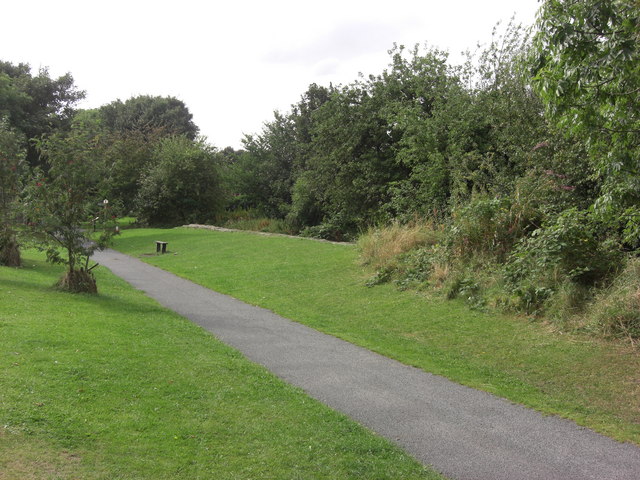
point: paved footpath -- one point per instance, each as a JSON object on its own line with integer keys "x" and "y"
{"x": 461, "y": 432}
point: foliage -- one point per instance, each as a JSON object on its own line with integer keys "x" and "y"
{"x": 485, "y": 226}
{"x": 586, "y": 63}
{"x": 616, "y": 310}
{"x": 264, "y": 172}
{"x": 263, "y": 176}
{"x": 149, "y": 115}
{"x": 570, "y": 247}
{"x": 417, "y": 89}
{"x": 380, "y": 247}
{"x": 248, "y": 219}
{"x": 128, "y": 155}
{"x": 536, "y": 172}
{"x": 59, "y": 205}
{"x": 11, "y": 166}
{"x": 419, "y": 138}
{"x": 36, "y": 105}
{"x": 133, "y": 130}
{"x": 181, "y": 185}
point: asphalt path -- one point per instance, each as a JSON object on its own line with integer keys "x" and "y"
{"x": 460, "y": 432}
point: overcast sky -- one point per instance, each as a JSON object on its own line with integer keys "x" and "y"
{"x": 234, "y": 62}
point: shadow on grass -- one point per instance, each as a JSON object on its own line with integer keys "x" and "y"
{"x": 106, "y": 299}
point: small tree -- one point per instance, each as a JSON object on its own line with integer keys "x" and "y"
{"x": 11, "y": 162}
{"x": 60, "y": 205}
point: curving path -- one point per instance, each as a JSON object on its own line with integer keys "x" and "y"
{"x": 461, "y": 432}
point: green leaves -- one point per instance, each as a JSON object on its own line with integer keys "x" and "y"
{"x": 587, "y": 69}
{"x": 181, "y": 185}
{"x": 59, "y": 206}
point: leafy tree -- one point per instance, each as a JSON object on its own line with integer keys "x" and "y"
{"x": 495, "y": 127}
{"x": 11, "y": 166}
{"x": 128, "y": 156}
{"x": 150, "y": 115}
{"x": 271, "y": 159}
{"x": 182, "y": 184}
{"x": 36, "y": 105}
{"x": 59, "y": 205}
{"x": 352, "y": 158}
{"x": 265, "y": 173}
{"x": 415, "y": 89}
{"x": 134, "y": 129}
{"x": 587, "y": 69}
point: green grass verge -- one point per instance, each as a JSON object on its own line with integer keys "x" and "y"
{"x": 113, "y": 386}
{"x": 597, "y": 384}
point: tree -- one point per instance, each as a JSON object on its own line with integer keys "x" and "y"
{"x": 128, "y": 156}
{"x": 11, "y": 166}
{"x": 415, "y": 89}
{"x": 150, "y": 115}
{"x": 586, "y": 64}
{"x": 351, "y": 161}
{"x": 264, "y": 175}
{"x": 181, "y": 185}
{"x": 59, "y": 205}
{"x": 271, "y": 158}
{"x": 36, "y": 105}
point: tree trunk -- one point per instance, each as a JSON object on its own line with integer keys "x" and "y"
{"x": 78, "y": 281}
{"x": 9, "y": 251}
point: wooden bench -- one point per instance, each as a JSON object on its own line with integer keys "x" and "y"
{"x": 161, "y": 247}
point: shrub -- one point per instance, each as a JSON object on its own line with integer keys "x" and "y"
{"x": 260, "y": 224}
{"x": 615, "y": 311}
{"x": 335, "y": 228}
{"x": 490, "y": 226}
{"x": 11, "y": 169}
{"x": 182, "y": 186}
{"x": 569, "y": 247}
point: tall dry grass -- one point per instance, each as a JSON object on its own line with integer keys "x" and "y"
{"x": 615, "y": 311}
{"x": 380, "y": 248}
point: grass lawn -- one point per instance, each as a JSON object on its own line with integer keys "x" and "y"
{"x": 115, "y": 387}
{"x": 595, "y": 383}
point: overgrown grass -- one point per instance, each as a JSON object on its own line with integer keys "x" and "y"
{"x": 264, "y": 224}
{"x": 115, "y": 387}
{"x": 616, "y": 309}
{"x": 431, "y": 258}
{"x": 254, "y": 221}
{"x": 381, "y": 248}
{"x": 595, "y": 383}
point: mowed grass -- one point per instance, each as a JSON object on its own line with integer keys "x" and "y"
{"x": 115, "y": 387}
{"x": 597, "y": 384}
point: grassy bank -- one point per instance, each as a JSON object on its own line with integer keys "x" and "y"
{"x": 319, "y": 284}
{"x": 114, "y": 386}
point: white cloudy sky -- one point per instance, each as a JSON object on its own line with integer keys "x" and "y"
{"x": 236, "y": 61}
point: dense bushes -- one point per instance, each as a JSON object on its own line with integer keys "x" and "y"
{"x": 181, "y": 185}
{"x": 569, "y": 269}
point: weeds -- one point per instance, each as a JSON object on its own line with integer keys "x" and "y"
{"x": 559, "y": 271}
{"x": 254, "y": 221}
{"x": 615, "y": 311}
{"x": 381, "y": 248}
